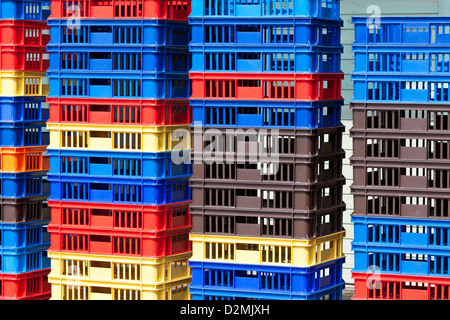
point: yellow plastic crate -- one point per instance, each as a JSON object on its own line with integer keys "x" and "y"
{"x": 267, "y": 251}
{"x": 119, "y": 138}
{"x": 23, "y": 83}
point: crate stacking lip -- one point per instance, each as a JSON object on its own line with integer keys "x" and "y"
{"x": 280, "y": 282}
{"x": 380, "y": 286}
{"x": 23, "y": 109}
{"x": 82, "y": 289}
{"x": 23, "y": 58}
{"x": 119, "y": 138}
{"x": 119, "y": 60}
{"x": 120, "y": 111}
{"x": 24, "y": 209}
{"x": 120, "y": 165}
{"x": 23, "y": 235}
{"x": 24, "y": 184}
{"x": 122, "y": 9}
{"x": 267, "y": 251}
{"x": 266, "y": 86}
{"x": 248, "y": 59}
{"x": 397, "y": 31}
{"x": 106, "y": 190}
{"x": 34, "y": 34}
{"x": 26, "y": 259}
{"x": 115, "y": 269}
{"x": 25, "y": 286}
{"x": 122, "y": 33}
{"x": 20, "y": 134}
{"x": 270, "y": 114}
{"x": 23, "y": 83}
{"x": 254, "y": 224}
{"x": 277, "y": 32}
{"x": 325, "y": 9}
{"x": 37, "y": 10}
{"x": 119, "y": 85}
{"x": 174, "y": 216}
{"x": 24, "y": 159}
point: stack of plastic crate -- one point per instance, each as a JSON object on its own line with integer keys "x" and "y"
{"x": 267, "y": 155}
{"x": 118, "y": 111}
{"x": 24, "y": 189}
{"x": 401, "y": 160}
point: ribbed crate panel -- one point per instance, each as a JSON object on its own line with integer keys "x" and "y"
{"x": 22, "y": 235}
{"x": 23, "y": 83}
{"x": 31, "y": 258}
{"x": 24, "y": 33}
{"x": 24, "y": 159}
{"x": 23, "y": 109}
{"x": 22, "y": 185}
{"x": 25, "y": 286}
{"x": 23, "y": 58}
{"x": 24, "y": 209}
{"x": 16, "y": 135}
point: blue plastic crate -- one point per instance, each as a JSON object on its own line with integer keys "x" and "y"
{"x": 266, "y": 279}
{"x": 26, "y": 259}
{"x": 279, "y": 114}
{"x": 328, "y": 9}
{"x": 401, "y": 88}
{"x": 125, "y": 60}
{"x": 107, "y": 190}
{"x": 401, "y": 30}
{"x": 23, "y": 109}
{"x": 119, "y": 165}
{"x": 265, "y": 32}
{"x": 311, "y": 59}
{"x": 20, "y": 134}
{"x": 119, "y": 85}
{"x": 21, "y": 185}
{"x": 20, "y": 235}
{"x": 24, "y": 10}
{"x": 120, "y": 33}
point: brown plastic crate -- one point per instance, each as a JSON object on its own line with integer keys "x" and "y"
{"x": 401, "y": 117}
{"x": 24, "y": 209}
{"x": 267, "y": 197}
{"x": 257, "y": 224}
{"x": 301, "y": 143}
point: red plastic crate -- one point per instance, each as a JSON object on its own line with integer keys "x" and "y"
{"x": 121, "y": 217}
{"x": 378, "y": 286}
{"x": 24, "y": 32}
{"x": 120, "y": 111}
{"x": 23, "y": 58}
{"x": 123, "y": 9}
{"x": 25, "y": 286}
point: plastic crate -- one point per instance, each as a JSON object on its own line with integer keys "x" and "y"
{"x": 23, "y": 58}
{"x": 21, "y": 235}
{"x": 264, "y": 86}
{"x": 20, "y": 260}
{"x": 23, "y": 83}
{"x": 34, "y": 34}
{"x": 119, "y": 86}
{"x": 120, "y": 112}
{"x": 124, "y": 61}
{"x": 122, "y": 217}
{"x": 122, "y": 9}
{"x": 81, "y": 289}
{"x": 24, "y": 210}
{"x": 265, "y": 32}
{"x": 26, "y": 286}
{"x": 23, "y": 109}
{"x": 311, "y": 59}
{"x": 120, "y": 165}
{"x": 279, "y": 114}
{"x": 144, "y": 191}
{"x": 16, "y": 135}
{"x": 377, "y": 286}
{"x": 281, "y": 282}
{"x": 38, "y": 10}
{"x": 119, "y": 138}
{"x": 327, "y": 9}
{"x": 402, "y": 30}
{"x": 122, "y": 33}
{"x": 25, "y": 184}
{"x": 253, "y": 224}
{"x": 24, "y": 159}
{"x": 267, "y": 251}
